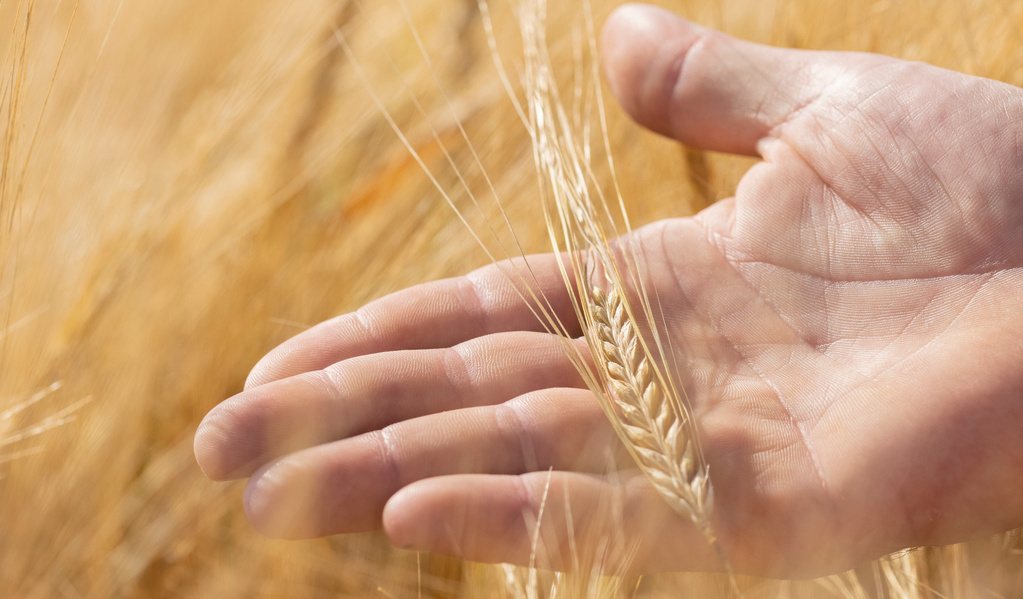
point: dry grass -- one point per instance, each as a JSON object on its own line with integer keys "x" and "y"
{"x": 185, "y": 184}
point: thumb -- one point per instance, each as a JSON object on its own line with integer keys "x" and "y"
{"x": 704, "y": 88}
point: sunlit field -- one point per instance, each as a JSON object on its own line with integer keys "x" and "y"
{"x": 186, "y": 184}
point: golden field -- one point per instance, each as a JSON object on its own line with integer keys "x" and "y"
{"x": 186, "y": 184}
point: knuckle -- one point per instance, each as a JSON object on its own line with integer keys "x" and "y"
{"x": 387, "y": 441}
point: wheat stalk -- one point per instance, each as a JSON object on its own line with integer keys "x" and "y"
{"x": 658, "y": 433}
{"x": 644, "y": 406}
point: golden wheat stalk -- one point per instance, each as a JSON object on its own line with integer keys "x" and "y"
{"x": 643, "y": 405}
{"x": 657, "y": 433}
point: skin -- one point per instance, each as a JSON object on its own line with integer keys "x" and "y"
{"x": 850, "y": 321}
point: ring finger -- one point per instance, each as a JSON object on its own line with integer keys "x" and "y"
{"x": 343, "y": 486}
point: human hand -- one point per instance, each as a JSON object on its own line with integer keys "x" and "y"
{"x": 850, "y": 319}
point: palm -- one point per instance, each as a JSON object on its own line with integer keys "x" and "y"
{"x": 847, "y": 266}
{"x": 845, "y": 326}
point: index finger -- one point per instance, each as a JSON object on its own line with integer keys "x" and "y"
{"x": 508, "y": 296}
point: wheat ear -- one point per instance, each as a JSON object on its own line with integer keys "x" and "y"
{"x": 640, "y": 401}
{"x": 656, "y": 430}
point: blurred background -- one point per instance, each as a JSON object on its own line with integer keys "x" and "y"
{"x": 185, "y": 184}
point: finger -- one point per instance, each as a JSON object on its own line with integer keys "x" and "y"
{"x": 369, "y": 392}
{"x": 560, "y": 515}
{"x": 707, "y": 89}
{"x": 438, "y": 314}
{"x": 343, "y": 486}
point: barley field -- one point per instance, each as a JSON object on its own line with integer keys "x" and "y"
{"x": 186, "y": 184}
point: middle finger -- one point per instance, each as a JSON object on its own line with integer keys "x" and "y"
{"x": 343, "y": 486}
{"x": 369, "y": 392}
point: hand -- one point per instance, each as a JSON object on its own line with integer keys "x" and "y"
{"x": 851, "y": 322}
